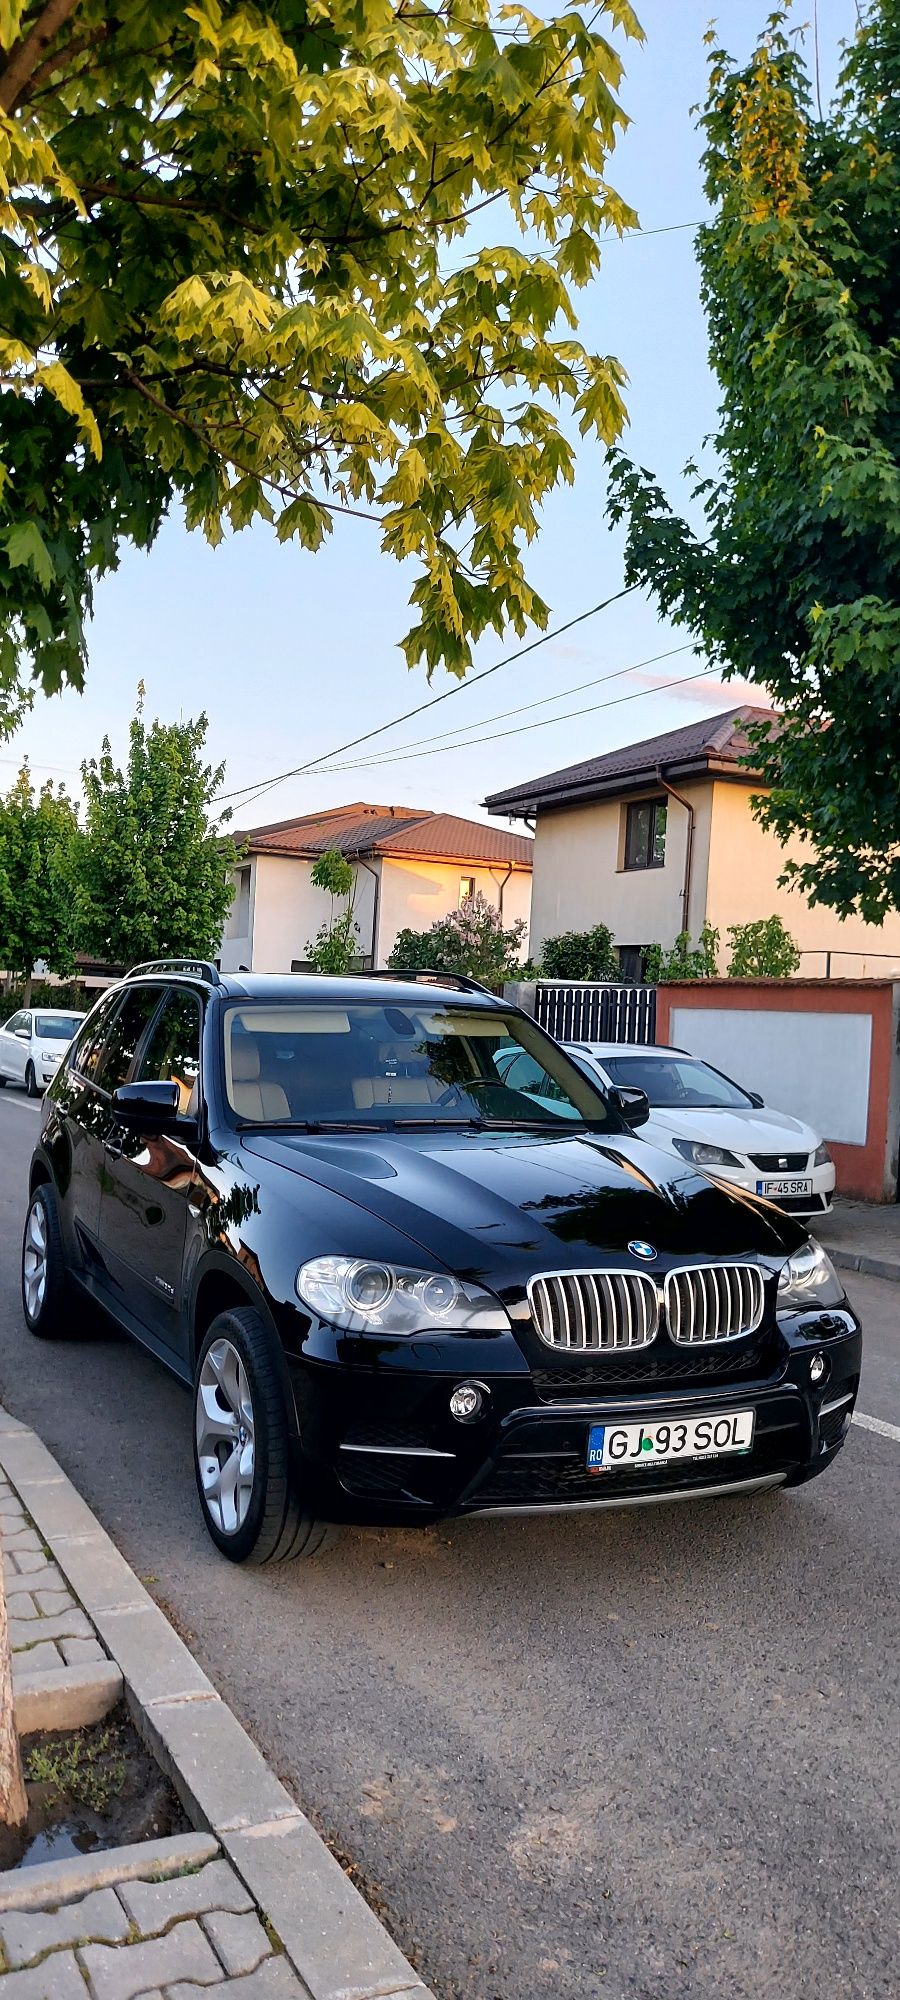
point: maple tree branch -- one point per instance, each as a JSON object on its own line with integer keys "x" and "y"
{"x": 31, "y": 50}
{"x": 61, "y": 59}
{"x": 249, "y": 471}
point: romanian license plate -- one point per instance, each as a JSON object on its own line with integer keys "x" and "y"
{"x": 791, "y": 1186}
{"x": 614, "y": 1447}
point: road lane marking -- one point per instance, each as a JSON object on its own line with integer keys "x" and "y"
{"x": 877, "y": 1424}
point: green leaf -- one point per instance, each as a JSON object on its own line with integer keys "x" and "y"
{"x": 26, "y": 549}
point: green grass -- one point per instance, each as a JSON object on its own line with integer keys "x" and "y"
{"x": 88, "y": 1770}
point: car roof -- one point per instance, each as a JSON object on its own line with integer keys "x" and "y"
{"x": 65, "y": 1013}
{"x": 629, "y": 1049}
{"x": 316, "y": 987}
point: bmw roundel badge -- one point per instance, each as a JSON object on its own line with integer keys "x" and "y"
{"x": 643, "y": 1250}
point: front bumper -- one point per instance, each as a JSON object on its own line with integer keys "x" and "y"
{"x": 378, "y": 1444}
{"x": 752, "y": 1181}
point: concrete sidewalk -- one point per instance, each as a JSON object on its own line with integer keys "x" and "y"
{"x": 862, "y": 1236}
{"x": 250, "y": 1906}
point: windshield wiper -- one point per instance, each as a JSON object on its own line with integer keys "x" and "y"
{"x": 438, "y": 1124}
{"x": 312, "y": 1125}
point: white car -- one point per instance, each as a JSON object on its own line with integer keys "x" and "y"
{"x": 702, "y": 1115}
{"x": 33, "y": 1043}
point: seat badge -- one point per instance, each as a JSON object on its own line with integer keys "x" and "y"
{"x": 643, "y": 1250}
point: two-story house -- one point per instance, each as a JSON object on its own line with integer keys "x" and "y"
{"x": 659, "y": 837}
{"x": 411, "y": 867}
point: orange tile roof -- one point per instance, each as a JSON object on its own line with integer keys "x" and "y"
{"x": 385, "y": 830}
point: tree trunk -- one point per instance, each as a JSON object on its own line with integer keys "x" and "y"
{"x": 26, "y": 989}
{"x": 13, "y": 1802}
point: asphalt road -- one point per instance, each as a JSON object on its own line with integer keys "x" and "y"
{"x": 650, "y": 1754}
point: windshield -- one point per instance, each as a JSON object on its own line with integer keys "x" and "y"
{"x": 57, "y": 1027}
{"x": 380, "y": 1065}
{"x": 677, "y": 1082}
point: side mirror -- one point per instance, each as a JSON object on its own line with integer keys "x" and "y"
{"x": 757, "y": 1102}
{"x": 22, "y": 1034}
{"x": 633, "y": 1104}
{"x": 147, "y": 1107}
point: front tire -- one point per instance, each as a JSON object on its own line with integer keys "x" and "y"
{"x": 31, "y": 1082}
{"x": 242, "y": 1446}
{"x": 46, "y": 1285}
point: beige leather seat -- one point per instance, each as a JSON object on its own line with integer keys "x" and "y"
{"x": 252, "y": 1098}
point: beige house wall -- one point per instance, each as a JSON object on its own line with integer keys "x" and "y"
{"x": 414, "y": 894}
{"x": 285, "y": 914}
{"x": 579, "y": 877}
{"x": 579, "y": 880}
{"x": 286, "y": 910}
{"x": 745, "y": 863}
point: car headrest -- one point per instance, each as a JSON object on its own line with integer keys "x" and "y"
{"x": 244, "y": 1059}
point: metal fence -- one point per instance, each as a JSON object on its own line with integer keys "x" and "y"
{"x": 575, "y": 1011}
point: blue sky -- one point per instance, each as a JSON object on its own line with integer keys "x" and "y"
{"x": 292, "y": 654}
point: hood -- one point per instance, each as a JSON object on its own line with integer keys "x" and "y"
{"x": 485, "y": 1204}
{"x": 750, "y": 1131}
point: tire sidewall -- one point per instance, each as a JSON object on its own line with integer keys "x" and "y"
{"x": 230, "y": 1325}
{"x": 31, "y": 1088}
{"x": 49, "y": 1321}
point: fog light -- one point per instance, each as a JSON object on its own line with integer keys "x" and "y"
{"x": 818, "y": 1368}
{"x": 467, "y": 1402}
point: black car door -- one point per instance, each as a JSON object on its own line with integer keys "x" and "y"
{"x": 148, "y": 1177}
{"x": 83, "y": 1112}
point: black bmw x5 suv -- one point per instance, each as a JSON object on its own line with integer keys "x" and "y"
{"x": 413, "y": 1262}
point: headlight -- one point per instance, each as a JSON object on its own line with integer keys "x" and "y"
{"x": 353, "y": 1293}
{"x": 808, "y": 1280}
{"x": 701, "y": 1155}
{"x": 821, "y": 1156}
{"x": 49, "y": 1055}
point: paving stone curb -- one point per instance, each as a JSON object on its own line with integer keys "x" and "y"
{"x": 871, "y": 1267}
{"x": 329, "y": 1936}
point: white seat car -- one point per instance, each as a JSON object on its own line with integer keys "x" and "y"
{"x": 33, "y": 1043}
{"x": 724, "y": 1130}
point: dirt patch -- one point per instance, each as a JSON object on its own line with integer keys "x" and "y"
{"x": 90, "y": 1789}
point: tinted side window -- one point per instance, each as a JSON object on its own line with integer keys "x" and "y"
{"x": 85, "y": 1053}
{"x": 120, "y": 1045}
{"x": 172, "y": 1054}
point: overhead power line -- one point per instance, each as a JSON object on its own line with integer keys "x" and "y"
{"x": 593, "y": 708}
{"x": 263, "y": 785}
{"x": 444, "y": 736}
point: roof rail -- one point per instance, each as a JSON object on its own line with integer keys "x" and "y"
{"x": 430, "y": 976}
{"x": 200, "y": 968}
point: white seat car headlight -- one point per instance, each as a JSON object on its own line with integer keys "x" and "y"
{"x": 702, "y": 1155}
{"x": 388, "y": 1298}
{"x": 808, "y": 1280}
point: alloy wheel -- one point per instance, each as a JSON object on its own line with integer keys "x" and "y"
{"x": 34, "y": 1260}
{"x": 226, "y": 1442}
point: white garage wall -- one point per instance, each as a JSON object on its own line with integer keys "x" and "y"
{"x": 815, "y": 1066}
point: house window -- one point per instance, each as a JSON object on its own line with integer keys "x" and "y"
{"x": 645, "y": 834}
{"x": 631, "y": 963}
{"x": 242, "y": 903}
{"x": 237, "y": 923}
{"x": 466, "y": 888}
